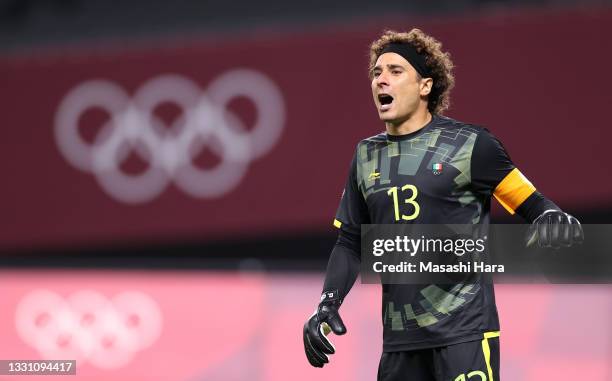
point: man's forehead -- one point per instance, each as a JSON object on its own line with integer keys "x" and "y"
{"x": 391, "y": 58}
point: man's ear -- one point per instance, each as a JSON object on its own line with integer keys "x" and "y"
{"x": 426, "y": 85}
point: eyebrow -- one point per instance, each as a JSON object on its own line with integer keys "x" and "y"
{"x": 389, "y": 66}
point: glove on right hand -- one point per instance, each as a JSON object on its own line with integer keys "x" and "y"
{"x": 325, "y": 319}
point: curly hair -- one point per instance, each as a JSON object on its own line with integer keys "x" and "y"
{"x": 438, "y": 62}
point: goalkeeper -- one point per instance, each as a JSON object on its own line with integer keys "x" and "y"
{"x": 426, "y": 169}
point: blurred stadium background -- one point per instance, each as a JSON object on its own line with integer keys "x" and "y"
{"x": 186, "y": 237}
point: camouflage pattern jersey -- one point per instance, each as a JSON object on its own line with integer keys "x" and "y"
{"x": 444, "y": 173}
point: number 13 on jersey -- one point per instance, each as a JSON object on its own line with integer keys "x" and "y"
{"x": 407, "y": 190}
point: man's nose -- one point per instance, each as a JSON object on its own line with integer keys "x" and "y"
{"x": 382, "y": 80}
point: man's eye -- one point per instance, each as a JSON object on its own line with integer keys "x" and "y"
{"x": 396, "y": 72}
{"x": 375, "y": 74}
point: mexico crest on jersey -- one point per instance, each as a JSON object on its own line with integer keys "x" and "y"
{"x": 436, "y": 168}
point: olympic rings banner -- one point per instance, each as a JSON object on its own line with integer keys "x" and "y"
{"x": 170, "y": 154}
{"x": 192, "y": 326}
{"x": 253, "y": 135}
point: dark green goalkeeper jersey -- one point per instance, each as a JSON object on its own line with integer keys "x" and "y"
{"x": 444, "y": 173}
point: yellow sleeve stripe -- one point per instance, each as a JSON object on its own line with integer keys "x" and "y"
{"x": 513, "y": 190}
{"x": 337, "y": 224}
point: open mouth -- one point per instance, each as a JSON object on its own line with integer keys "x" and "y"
{"x": 385, "y": 101}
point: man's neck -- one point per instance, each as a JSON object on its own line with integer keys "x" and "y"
{"x": 414, "y": 123}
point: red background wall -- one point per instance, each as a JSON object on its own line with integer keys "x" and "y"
{"x": 538, "y": 83}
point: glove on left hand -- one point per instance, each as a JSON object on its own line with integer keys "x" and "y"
{"x": 554, "y": 228}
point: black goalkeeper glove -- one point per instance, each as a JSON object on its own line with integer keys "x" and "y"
{"x": 326, "y": 319}
{"x": 555, "y": 229}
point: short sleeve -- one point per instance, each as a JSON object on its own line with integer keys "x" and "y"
{"x": 353, "y": 210}
{"x": 493, "y": 173}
